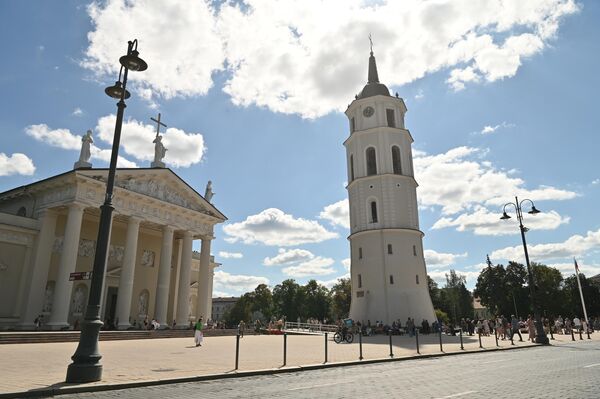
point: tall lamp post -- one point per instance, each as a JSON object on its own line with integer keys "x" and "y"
{"x": 86, "y": 365}
{"x": 540, "y": 337}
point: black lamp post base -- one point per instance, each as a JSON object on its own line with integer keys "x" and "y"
{"x": 82, "y": 372}
{"x": 542, "y": 340}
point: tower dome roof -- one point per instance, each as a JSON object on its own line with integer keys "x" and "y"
{"x": 373, "y": 87}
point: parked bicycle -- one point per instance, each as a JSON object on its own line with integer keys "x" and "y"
{"x": 343, "y": 335}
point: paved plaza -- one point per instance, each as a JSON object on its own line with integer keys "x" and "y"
{"x": 30, "y": 367}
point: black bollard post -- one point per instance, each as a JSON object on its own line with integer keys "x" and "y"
{"x": 588, "y": 333}
{"x": 496, "y": 336}
{"x": 417, "y": 336}
{"x": 580, "y": 334}
{"x": 461, "y": 341}
{"x": 512, "y": 335}
{"x": 440, "y": 336}
{"x": 572, "y": 335}
{"x": 237, "y": 351}
{"x": 284, "y": 349}
{"x": 479, "y": 333}
{"x": 391, "y": 351}
{"x": 325, "y": 347}
{"x": 360, "y": 356}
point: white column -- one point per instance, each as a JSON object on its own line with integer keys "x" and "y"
{"x": 183, "y": 295}
{"x": 164, "y": 277}
{"x": 124, "y": 295}
{"x": 203, "y": 279}
{"x": 68, "y": 262}
{"x": 41, "y": 263}
{"x": 209, "y": 292}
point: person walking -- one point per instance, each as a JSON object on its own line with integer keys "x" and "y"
{"x": 198, "y": 337}
{"x": 241, "y": 328}
{"x": 531, "y": 328}
{"x": 515, "y": 328}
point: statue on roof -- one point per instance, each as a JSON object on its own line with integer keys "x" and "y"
{"x": 85, "y": 153}
{"x": 208, "y": 193}
{"x": 159, "y": 153}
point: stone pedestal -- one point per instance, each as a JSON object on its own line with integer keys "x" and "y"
{"x": 82, "y": 165}
{"x": 157, "y": 164}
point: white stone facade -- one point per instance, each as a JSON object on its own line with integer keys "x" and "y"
{"x": 49, "y": 229}
{"x": 388, "y": 273}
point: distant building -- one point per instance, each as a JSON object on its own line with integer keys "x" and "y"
{"x": 480, "y": 311}
{"x": 220, "y": 305}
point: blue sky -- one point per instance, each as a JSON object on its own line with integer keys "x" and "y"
{"x": 501, "y": 97}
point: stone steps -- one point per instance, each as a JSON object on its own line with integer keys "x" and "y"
{"x": 73, "y": 336}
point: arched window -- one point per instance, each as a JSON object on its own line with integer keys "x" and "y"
{"x": 22, "y": 211}
{"x": 396, "y": 160}
{"x": 371, "y": 162}
{"x": 351, "y": 167}
{"x": 374, "y": 212}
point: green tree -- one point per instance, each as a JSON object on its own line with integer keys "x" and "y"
{"x": 457, "y": 299}
{"x": 262, "y": 301}
{"x": 288, "y": 299}
{"x": 591, "y": 296}
{"x": 242, "y": 310}
{"x": 491, "y": 288}
{"x": 317, "y": 303}
{"x": 548, "y": 289}
{"x": 341, "y": 295}
{"x": 434, "y": 293}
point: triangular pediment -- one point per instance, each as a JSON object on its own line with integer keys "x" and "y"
{"x": 160, "y": 184}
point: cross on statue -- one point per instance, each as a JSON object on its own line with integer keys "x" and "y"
{"x": 158, "y": 124}
{"x": 370, "y": 41}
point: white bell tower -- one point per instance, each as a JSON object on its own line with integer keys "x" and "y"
{"x": 388, "y": 274}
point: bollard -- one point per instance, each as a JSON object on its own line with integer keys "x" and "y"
{"x": 580, "y": 334}
{"x": 325, "y": 347}
{"x": 479, "y": 333}
{"x": 461, "y": 341}
{"x": 237, "y": 351}
{"x": 496, "y": 336}
{"x": 441, "y": 348}
{"x": 391, "y": 351}
{"x": 360, "y": 356}
{"x": 572, "y": 335}
{"x": 512, "y": 335}
{"x": 588, "y": 333}
{"x": 284, "y": 349}
{"x": 417, "y": 336}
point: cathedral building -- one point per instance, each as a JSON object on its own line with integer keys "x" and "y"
{"x": 388, "y": 273}
{"x": 47, "y": 243}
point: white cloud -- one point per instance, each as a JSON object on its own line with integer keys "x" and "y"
{"x": 346, "y": 263}
{"x": 275, "y": 55}
{"x": 274, "y": 227}
{"x": 183, "y": 149}
{"x": 77, "y": 112}
{"x": 420, "y": 95}
{"x": 568, "y": 269}
{"x": 330, "y": 283}
{"x": 337, "y": 214}
{"x": 439, "y": 276}
{"x": 177, "y": 39}
{"x": 576, "y": 245}
{"x": 595, "y": 182}
{"x": 440, "y": 259}
{"x": 230, "y": 255}
{"x": 318, "y": 266}
{"x": 489, "y": 129}
{"x": 16, "y": 164}
{"x": 63, "y": 138}
{"x": 288, "y": 256}
{"x": 484, "y": 222}
{"x": 460, "y": 180}
{"x": 237, "y": 282}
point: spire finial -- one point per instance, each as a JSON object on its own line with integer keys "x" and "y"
{"x": 371, "y": 41}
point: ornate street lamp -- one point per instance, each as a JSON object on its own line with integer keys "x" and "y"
{"x": 86, "y": 365}
{"x": 540, "y": 336}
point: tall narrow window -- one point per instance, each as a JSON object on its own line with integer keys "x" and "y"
{"x": 352, "y": 125}
{"x": 390, "y": 249}
{"x": 391, "y": 119}
{"x": 417, "y": 278}
{"x": 359, "y": 253}
{"x": 414, "y": 250}
{"x": 391, "y": 279}
{"x": 374, "y": 212}
{"x": 396, "y": 160}
{"x": 371, "y": 162}
{"x": 359, "y": 281}
{"x": 351, "y": 167}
